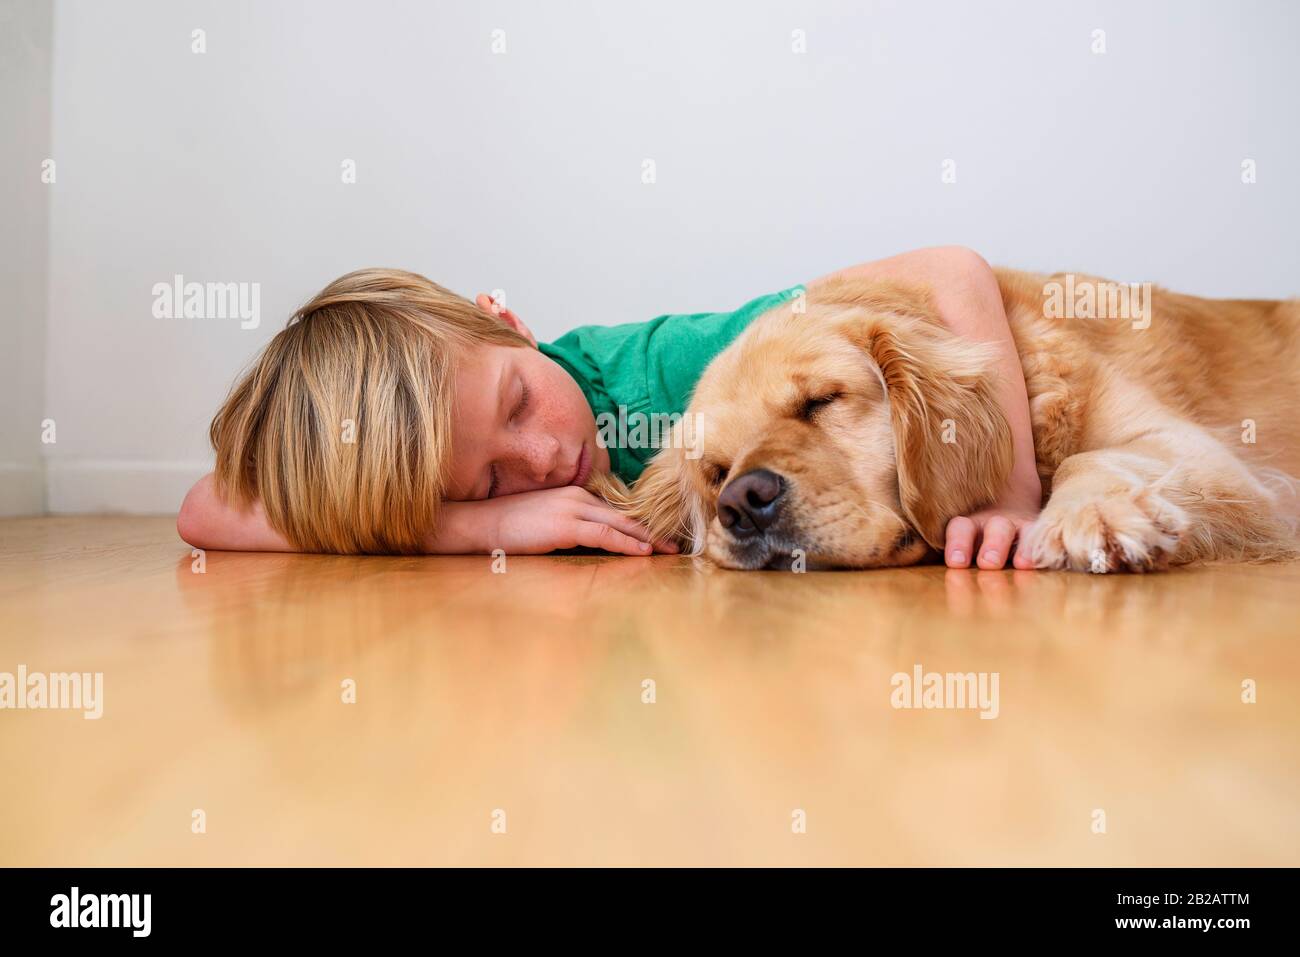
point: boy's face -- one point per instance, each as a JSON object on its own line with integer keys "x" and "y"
{"x": 519, "y": 423}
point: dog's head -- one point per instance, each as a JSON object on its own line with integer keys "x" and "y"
{"x": 847, "y": 433}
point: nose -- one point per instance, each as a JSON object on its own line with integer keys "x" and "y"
{"x": 750, "y": 503}
{"x": 539, "y": 455}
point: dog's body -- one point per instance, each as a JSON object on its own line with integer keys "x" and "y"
{"x": 846, "y": 430}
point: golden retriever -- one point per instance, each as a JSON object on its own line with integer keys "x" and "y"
{"x": 844, "y": 430}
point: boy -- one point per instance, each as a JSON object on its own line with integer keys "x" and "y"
{"x": 393, "y": 416}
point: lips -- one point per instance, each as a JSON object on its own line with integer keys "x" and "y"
{"x": 583, "y": 470}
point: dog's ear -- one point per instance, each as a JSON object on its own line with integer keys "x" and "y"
{"x": 952, "y": 442}
{"x": 608, "y": 486}
{"x": 662, "y": 498}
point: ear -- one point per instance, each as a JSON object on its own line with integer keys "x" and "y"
{"x": 952, "y": 442}
{"x": 486, "y": 303}
{"x": 662, "y": 499}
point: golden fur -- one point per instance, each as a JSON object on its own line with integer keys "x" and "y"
{"x": 1169, "y": 442}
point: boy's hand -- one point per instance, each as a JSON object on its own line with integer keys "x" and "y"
{"x": 989, "y": 533}
{"x": 533, "y": 523}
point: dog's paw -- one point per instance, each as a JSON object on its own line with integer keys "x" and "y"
{"x": 1134, "y": 530}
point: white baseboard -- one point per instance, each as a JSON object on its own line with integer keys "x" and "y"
{"x": 22, "y": 489}
{"x": 131, "y": 487}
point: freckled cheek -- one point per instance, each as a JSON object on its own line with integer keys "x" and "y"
{"x": 566, "y": 412}
{"x": 579, "y": 423}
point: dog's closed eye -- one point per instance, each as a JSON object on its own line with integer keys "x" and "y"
{"x": 715, "y": 474}
{"x": 814, "y": 404}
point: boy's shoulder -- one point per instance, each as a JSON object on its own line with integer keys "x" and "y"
{"x": 648, "y": 368}
{"x": 664, "y": 336}
{"x": 653, "y": 366}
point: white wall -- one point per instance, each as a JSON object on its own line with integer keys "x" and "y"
{"x": 523, "y": 170}
{"x": 24, "y": 235}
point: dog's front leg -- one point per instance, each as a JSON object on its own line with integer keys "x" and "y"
{"x": 1170, "y": 495}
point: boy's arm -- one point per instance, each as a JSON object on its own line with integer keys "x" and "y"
{"x": 534, "y": 523}
{"x": 529, "y": 523}
{"x": 205, "y": 521}
{"x": 969, "y": 301}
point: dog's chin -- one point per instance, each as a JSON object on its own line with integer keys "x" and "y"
{"x": 776, "y": 560}
{"x": 766, "y": 553}
{"x": 777, "y": 555}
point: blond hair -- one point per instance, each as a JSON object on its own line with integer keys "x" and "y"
{"x": 342, "y": 427}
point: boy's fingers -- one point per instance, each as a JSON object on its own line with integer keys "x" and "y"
{"x": 999, "y": 533}
{"x": 959, "y": 542}
{"x": 597, "y": 535}
{"x": 627, "y": 525}
{"x": 580, "y": 494}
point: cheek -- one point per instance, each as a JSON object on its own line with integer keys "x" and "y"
{"x": 875, "y": 470}
{"x": 853, "y": 462}
{"x": 867, "y": 452}
{"x": 848, "y": 500}
{"x": 563, "y": 407}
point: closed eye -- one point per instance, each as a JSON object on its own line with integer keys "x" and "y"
{"x": 716, "y": 474}
{"x": 520, "y": 407}
{"x": 524, "y": 396}
{"x": 814, "y": 404}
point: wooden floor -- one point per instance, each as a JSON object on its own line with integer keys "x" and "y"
{"x": 487, "y": 701}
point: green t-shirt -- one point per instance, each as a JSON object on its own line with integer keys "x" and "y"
{"x": 650, "y": 368}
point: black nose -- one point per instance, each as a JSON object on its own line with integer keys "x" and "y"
{"x": 750, "y": 503}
